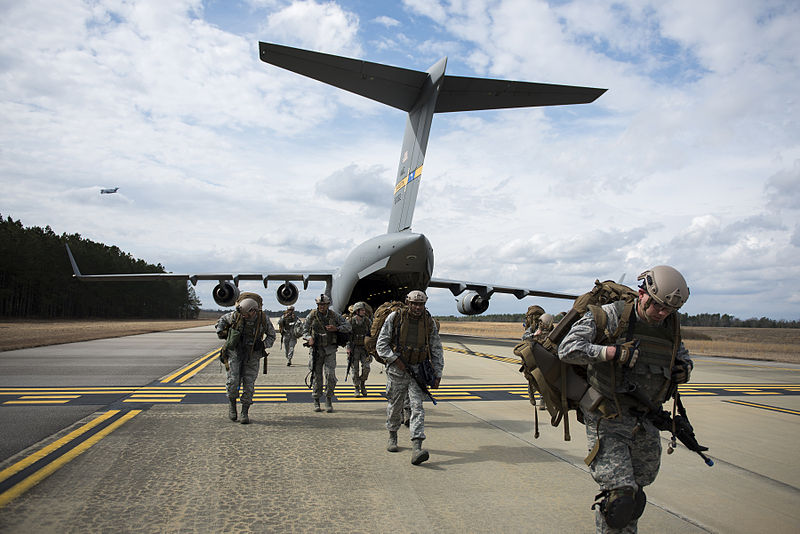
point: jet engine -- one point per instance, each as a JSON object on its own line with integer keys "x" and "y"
{"x": 472, "y": 304}
{"x": 287, "y": 293}
{"x": 225, "y": 294}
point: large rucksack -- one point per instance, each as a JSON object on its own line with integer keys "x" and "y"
{"x": 378, "y": 319}
{"x": 532, "y": 316}
{"x": 563, "y": 387}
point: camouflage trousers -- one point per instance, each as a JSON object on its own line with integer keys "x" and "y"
{"x": 242, "y": 373}
{"x": 325, "y": 365}
{"x": 629, "y": 455}
{"x": 288, "y": 343}
{"x": 360, "y": 366}
{"x": 400, "y": 387}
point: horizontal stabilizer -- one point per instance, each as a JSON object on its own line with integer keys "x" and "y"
{"x": 468, "y": 94}
{"x": 388, "y": 85}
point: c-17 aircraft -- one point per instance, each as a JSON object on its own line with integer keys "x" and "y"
{"x": 108, "y": 190}
{"x": 389, "y": 265}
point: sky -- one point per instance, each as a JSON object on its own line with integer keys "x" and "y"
{"x": 227, "y": 164}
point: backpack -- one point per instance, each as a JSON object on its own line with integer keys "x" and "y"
{"x": 562, "y": 386}
{"x": 378, "y": 319}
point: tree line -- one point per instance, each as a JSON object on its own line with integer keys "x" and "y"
{"x": 36, "y": 280}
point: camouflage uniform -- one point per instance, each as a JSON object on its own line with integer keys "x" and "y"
{"x": 400, "y": 385}
{"x": 629, "y": 453}
{"x": 358, "y": 354}
{"x": 325, "y": 343}
{"x": 243, "y": 359}
{"x": 286, "y": 325}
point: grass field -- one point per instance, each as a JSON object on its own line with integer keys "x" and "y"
{"x": 776, "y": 344}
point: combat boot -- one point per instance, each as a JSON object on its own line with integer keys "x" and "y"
{"x": 232, "y": 415}
{"x": 316, "y": 406}
{"x": 358, "y": 392}
{"x": 391, "y": 445}
{"x": 328, "y": 405}
{"x": 245, "y": 417}
{"x": 363, "y": 389}
{"x": 418, "y": 454}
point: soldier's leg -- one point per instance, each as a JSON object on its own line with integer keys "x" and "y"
{"x": 249, "y": 375}
{"x": 330, "y": 371}
{"x": 232, "y": 381}
{"x": 396, "y": 392}
{"x": 365, "y": 368}
{"x": 415, "y": 397}
{"x": 290, "y": 343}
{"x": 612, "y": 469}
{"x": 354, "y": 371}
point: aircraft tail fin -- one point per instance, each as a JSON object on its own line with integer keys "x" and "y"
{"x": 420, "y": 94}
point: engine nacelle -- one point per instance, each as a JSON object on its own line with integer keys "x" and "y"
{"x": 225, "y": 294}
{"x": 287, "y": 294}
{"x": 472, "y": 304}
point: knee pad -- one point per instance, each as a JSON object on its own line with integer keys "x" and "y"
{"x": 639, "y": 502}
{"x": 617, "y": 506}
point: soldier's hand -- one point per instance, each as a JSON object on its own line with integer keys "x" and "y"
{"x": 436, "y": 383}
{"x": 627, "y": 353}
{"x": 400, "y": 365}
{"x": 221, "y": 335}
{"x": 310, "y": 342}
{"x": 681, "y": 372}
{"x": 331, "y": 328}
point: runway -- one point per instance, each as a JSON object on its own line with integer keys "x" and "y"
{"x": 131, "y": 435}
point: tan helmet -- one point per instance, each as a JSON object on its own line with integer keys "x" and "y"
{"x": 290, "y": 308}
{"x": 323, "y": 299}
{"x": 359, "y": 306}
{"x": 417, "y": 296}
{"x": 247, "y": 306}
{"x": 666, "y": 285}
{"x": 546, "y": 319}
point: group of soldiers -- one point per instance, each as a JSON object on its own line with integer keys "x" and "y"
{"x": 647, "y": 356}
{"x": 406, "y": 340}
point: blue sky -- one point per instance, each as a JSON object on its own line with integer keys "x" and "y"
{"x": 227, "y": 164}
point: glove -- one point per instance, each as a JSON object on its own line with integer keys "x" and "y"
{"x": 681, "y": 372}
{"x": 628, "y": 353}
{"x": 222, "y": 334}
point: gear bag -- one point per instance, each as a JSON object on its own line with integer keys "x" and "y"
{"x": 378, "y": 319}
{"x": 562, "y": 386}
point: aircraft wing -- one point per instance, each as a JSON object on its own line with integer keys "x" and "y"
{"x": 304, "y": 276}
{"x": 457, "y": 287}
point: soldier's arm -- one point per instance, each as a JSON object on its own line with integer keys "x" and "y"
{"x": 342, "y": 324}
{"x": 384, "y": 341}
{"x": 269, "y": 338}
{"x": 224, "y": 322}
{"x": 577, "y": 346}
{"x": 437, "y": 354}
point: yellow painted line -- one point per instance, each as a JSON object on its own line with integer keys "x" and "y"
{"x": 26, "y": 484}
{"x": 696, "y": 393}
{"x": 37, "y": 402}
{"x": 41, "y": 397}
{"x": 461, "y": 397}
{"x": 189, "y": 366}
{"x": 147, "y": 399}
{"x": 765, "y": 407}
{"x": 763, "y": 393}
{"x": 38, "y": 455}
{"x": 196, "y": 370}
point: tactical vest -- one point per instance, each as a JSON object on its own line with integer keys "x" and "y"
{"x": 650, "y": 375}
{"x": 412, "y": 336}
{"x": 360, "y": 327}
{"x": 249, "y": 334}
{"x": 287, "y": 323}
{"x": 318, "y": 324}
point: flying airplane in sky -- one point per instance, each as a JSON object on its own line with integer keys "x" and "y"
{"x": 390, "y": 265}
{"x": 109, "y": 190}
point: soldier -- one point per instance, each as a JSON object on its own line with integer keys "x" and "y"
{"x": 320, "y": 331}
{"x": 287, "y": 325}
{"x": 248, "y": 332}
{"x": 540, "y": 330}
{"x": 357, "y": 356}
{"x": 633, "y": 376}
{"x": 406, "y": 339}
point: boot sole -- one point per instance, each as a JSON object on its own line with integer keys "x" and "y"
{"x": 421, "y": 458}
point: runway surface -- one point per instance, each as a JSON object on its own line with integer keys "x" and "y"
{"x": 131, "y": 434}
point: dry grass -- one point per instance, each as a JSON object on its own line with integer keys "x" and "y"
{"x": 25, "y": 334}
{"x": 775, "y": 344}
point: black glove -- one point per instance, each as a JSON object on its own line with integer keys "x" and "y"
{"x": 628, "y": 353}
{"x": 681, "y": 372}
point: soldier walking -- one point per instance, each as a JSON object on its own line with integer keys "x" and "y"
{"x": 320, "y": 331}
{"x": 287, "y": 325}
{"x": 248, "y": 332}
{"x": 407, "y": 338}
{"x": 633, "y": 375}
{"x": 357, "y": 358}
